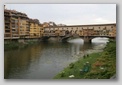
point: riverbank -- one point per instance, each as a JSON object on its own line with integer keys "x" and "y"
{"x": 100, "y": 65}
{"x": 16, "y": 45}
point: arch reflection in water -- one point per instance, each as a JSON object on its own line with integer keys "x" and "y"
{"x": 77, "y": 44}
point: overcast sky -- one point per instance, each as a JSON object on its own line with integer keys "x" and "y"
{"x": 69, "y": 14}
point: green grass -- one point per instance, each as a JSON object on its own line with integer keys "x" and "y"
{"x": 102, "y": 65}
{"x": 73, "y": 68}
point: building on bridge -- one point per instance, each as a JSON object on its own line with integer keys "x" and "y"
{"x": 82, "y": 30}
{"x": 86, "y": 32}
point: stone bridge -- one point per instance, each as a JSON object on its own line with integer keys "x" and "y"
{"x": 87, "y": 39}
{"x": 86, "y": 32}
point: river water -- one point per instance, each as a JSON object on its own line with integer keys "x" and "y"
{"x": 46, "y": 59}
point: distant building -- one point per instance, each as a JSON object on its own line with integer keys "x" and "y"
{"x": 61, "y": 25}
{"x": 49, "y": 24}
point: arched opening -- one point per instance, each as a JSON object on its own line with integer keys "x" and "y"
{"x": 92, "y": 39}
{"x": 100, "y": 40}
{"x": 67, "y": 32}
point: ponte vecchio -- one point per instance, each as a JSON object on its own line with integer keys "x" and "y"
{"x": 86, "y": 32}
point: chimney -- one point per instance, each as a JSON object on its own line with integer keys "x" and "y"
{"x": 4, "y": 6}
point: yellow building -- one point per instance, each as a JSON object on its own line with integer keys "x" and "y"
{"x": 16, "y": 24}
{"x": 22, "y": 31}
{"x": 34, "y": 28}
{"x": 41, "y": 30}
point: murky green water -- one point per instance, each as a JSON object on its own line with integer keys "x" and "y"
{"x": 43, "y": 60}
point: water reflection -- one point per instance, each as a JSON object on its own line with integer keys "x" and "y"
{"x": 43, "y": 60}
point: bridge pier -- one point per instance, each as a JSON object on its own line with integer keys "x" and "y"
{"x": 87, "y": 40}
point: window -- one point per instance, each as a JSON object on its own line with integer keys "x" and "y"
{"x": 13, "y": 30}
{"x": 21, "y": 26}
{"x": 7, "y": 30}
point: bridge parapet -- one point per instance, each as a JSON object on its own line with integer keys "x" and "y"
{"x": 49, "y": 34}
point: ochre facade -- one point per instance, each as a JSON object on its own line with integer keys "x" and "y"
{"x": 18, "y": 25}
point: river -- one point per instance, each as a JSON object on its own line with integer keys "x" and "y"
{"x": 46, "y": 59}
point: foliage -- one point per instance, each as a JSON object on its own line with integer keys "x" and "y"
{"x": 71, "y": 65}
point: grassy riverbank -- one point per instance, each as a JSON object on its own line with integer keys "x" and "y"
{"x": 16, "y": 45}
{"x": 94, "y": 66}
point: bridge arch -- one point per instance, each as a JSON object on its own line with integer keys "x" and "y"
{"x": 67, "y": 32}
{"x": 88, "y": 39}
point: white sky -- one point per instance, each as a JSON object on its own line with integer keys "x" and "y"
{"x": 69, "y": 14}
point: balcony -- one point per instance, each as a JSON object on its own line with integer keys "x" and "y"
{"x": 7, "y": 21}
{"x": 27, "y": 26}
{"x": 12, "y": 21}
{"x": 15, "y": 37}
{"x": 22, "y": 34}
{"x": 21, "y": 15}
{"x": 49, "y": 34}
{"x": 13, "y": 26}
{"x": 14, "y": 32}
{"x": 7, "y": 37}
{"x": 15, "y": 15}
{"x": 6, "y": 14}
{"x": 28, "y": 30}
{"x": 7, "y": 26}
{"x": 7, "y": 33}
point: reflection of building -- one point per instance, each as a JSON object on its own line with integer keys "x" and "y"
{"x": 75, "y": 49}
